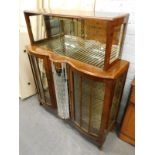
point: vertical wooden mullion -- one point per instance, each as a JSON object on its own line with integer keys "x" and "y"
{"x": 28, "y": 24}
{"x": 71, "y": 92}
{"x": 80, "y": 99}
{"x": 90, "y": 105}
{"x": 50, "y": 81}
{"x": 122, "y": 39}
{"x": 109, "y": 92}
{"x": 109, "y": 39}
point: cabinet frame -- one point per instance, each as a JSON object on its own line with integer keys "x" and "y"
{"x": 109, "y": 74}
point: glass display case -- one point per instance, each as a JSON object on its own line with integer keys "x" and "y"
{"x": 76, "y": 62}
{"x": 93, "y": 38}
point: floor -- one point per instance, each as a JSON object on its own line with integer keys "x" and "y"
{"x": 43, "y": 133}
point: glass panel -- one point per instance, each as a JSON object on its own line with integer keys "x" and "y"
{"x": 76, "y": 97}
{"x": 41, "y": 78}
{"x": 116, "y": 98}
{"x": 38, "y": 78}
{"x": 95, "y": 30}
{"x": 85, "y": 102}
{"x": 97, "y": 106}
{"x": 82, "y": 40}
{"x": 44, "y": 81}
{"x": 116, "y": 44}
{"x": 92, "y": 97}
{"x": 38, "y": 27}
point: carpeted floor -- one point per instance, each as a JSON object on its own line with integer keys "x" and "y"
{"x": 42, "y": 133}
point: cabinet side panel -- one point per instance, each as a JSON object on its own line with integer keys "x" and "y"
{"x": 116, "y": 100}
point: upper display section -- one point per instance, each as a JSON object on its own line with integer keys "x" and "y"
{"x": 94, "y": 38}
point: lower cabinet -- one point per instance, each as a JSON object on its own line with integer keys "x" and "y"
{"x": 90, "y": 102}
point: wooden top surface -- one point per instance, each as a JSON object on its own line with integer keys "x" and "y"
{"x": 79, "y": 14}
{"x": 112, "y": 73}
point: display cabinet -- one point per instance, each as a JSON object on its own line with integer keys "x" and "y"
{"x": 75, "y": 59}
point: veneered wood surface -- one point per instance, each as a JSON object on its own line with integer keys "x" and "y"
{"x": 127, "y": 132}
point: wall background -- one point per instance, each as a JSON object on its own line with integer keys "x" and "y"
{"x": 101, "y": 5}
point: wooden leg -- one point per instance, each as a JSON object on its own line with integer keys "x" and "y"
{"x": 40, "y": 103}
{"x": 100, "y": 142}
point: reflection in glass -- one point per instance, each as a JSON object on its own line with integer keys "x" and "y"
{"x": 81, "y": 39}
{"x": 116, "y": 99}
{"x": 91, "y": 98}
{"x": 85, "y": 102}
{"x": 116, "y": 43}
{"x": 40, "y": 76}
{"x": 44, "y": 81}
{"x": 38, "y": 27}
{"x": 97, "y": 105}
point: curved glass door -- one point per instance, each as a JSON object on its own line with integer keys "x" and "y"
{"x": 40, "y": 78}
{"x": 88, "y": 100}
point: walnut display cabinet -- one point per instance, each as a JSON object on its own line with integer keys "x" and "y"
{"x": 76, "y": 62}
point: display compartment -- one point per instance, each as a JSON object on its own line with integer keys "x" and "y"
{"x": 41, "y": 71}
{"x": 94, "y": 38}
{"x": 87, "y": 98}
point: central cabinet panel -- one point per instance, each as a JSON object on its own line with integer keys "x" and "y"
{"x": 87, "y": 102}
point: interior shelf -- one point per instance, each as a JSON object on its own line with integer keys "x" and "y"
{"x": 88, "y": 51}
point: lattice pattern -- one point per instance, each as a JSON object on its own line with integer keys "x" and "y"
{"x": 87, "y": 51}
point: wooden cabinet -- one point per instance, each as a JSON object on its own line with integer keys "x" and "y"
{"x": 78, "y": 71}
{"x": 127, "y": 132}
